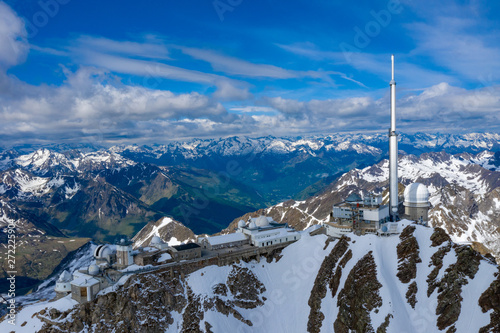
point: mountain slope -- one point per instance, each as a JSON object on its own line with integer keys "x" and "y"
{"x": 40, "y": 247}
{"x": 418, "y": 281}
{"x": 464, "y": 196}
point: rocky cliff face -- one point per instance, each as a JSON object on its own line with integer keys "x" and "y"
{"x": 418, "y": 281}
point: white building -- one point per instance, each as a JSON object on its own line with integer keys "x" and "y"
{"x": 223, "y": 241}
{"x": 263, "y": 231}
{"x": 158, "y": 243}
{"x": 356, "y": 214}
{"x": 63, "y": 284}
{"x": 84, "y": 288}
{"x": 417, "y": 202}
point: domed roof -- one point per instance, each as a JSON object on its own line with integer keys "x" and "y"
{"x": 93, "y": 269}
{"x": 241, "y": 224}
{"x": 102, "y": 251}
{"x": 416, "y": 193}
{"x": 262, "y": 221}
{"x": 155, "y": 240}
{"x": 65, "y": 277}
{"x": 252, "y": 225}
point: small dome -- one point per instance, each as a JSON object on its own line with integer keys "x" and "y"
{"x": 416, "y": 193}
{"x": 155, "y": 240}
{"x": 252, "y": 225}
{"x": 241, "y": 224}
{"x": 64, "y": 277}
{"x": 98, "y": 251}
{"x": 262, "y": 221}
{"x": 102, "y": 252}
{"x": 93, "y": 269}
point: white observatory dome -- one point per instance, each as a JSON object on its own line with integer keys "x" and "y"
{"x": 155, "y": 240}
{"x": 241, "y": 224}
{"x": 93, "y": 269}
{"x": 416, "y": 193}
{"x": 102, "y": 252}
{"x": 262, "y": 221}
{"x": 252, "y": 225}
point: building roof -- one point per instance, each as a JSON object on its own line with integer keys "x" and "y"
{"x": 416, "y": 193}
{"x": 187, "y": 246}
{"x": 84, "y": 281}
{"x": 353, "y": 197}
{"x": 155, "y": 240}
{"x": 229, "y": 238}
{"x": 278, "y": 232}
{"x": 164, "y": 257}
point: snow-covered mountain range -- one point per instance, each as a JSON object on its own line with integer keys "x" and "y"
{"x": 361, "y": 143}
{"x": 418, "y": 281}
{"x": 205, "y": 184}
{"x": 465, "y": 196}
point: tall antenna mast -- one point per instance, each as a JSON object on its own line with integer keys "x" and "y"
{"x": 393, "y": 153}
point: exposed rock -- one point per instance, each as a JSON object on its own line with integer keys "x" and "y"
{"x": 411, "y": 294}
{"x": 383, "y": 327}
{"x": 490, "y": 300}
{"x": 450, "y": 287}
{"x": 208, "y": 327}
{"x": 220, "y": 289}
{"x": 325, "y": 275}
{"x": 335, "y": 280}
{"x": 193, "y": 314}
{"x": 133, "y": 303}
{"x": 439, "y": 236}
{"x": 359, "y": 297}
{"x": 408, "y": 255}
{"x": 245, "y": 287}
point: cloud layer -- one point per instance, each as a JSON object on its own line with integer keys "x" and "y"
{"x": 150, "y": 89}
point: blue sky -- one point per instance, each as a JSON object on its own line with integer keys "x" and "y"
{"x": 110, "y": 72}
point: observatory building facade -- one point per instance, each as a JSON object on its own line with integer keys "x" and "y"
{"x": 417, "y": 202}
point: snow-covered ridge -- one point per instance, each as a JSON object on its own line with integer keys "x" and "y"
{"x": 284, "y": 295}
{"x": 44, "y": 161}
{"x": 453, "y": 168}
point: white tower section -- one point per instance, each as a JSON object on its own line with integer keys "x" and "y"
{"x": 393, "y": 152}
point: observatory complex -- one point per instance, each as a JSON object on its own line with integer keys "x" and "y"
{"x": 369, "y": 215}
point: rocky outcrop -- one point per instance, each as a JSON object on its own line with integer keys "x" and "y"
{"x": 193, "y": 314}
{"x": 411, "y": 294}
{"x": 438, "y": 237}
{"x": 450, "y": 286}
{"x": 490, "y": 300}
{"x": 144, "y": 304}
{"x": 359, "y": 297}
{"x": 325, "y": 276}
{"x": 245, "y": 287}
{"x": 407, "y": 255}
{"x": 383, "y": 327}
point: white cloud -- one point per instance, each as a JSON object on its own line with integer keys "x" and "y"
{"x": 436, "y": 108}
{"x": 456, "y": 44}
{"x": 150, "y": 48}
{"x": 87, "y": 104}
{"x": 13, "y": 44}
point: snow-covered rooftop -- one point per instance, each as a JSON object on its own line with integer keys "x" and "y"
{"x": 229, "y": 238}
